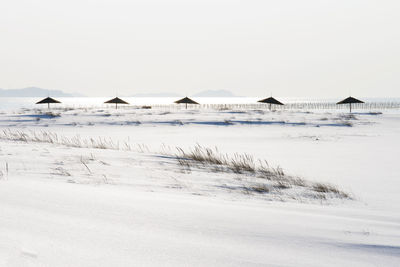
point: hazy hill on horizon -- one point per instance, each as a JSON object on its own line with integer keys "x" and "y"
{"x": 205, "y": 93}
{"x": 34, "y": 92}
{"x": 155, "y": 95}
{"x": 215, "y": 93}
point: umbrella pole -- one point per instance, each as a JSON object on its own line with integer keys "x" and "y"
{"x": 48, "y": 105}
{"x": 116, "y": 105}
{"x": 270, "y": 105}
{"x": 350, "y": 107}
{"x": 186, "y": 105}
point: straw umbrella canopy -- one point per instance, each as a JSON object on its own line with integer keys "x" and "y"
{"x": 271, "y": 101}
{"x": 116, "y": 101}
{"x": 350, "y": 100}
{"x": 186, "y": 101}
{"x": 48, "y": 101}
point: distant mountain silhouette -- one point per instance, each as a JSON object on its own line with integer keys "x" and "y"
{"x": 34, "y": 92}
{"x": 156, "y": 95}
{"x": 40, "y": 92}
{"x": 215, "y": 93}
{"x": 207, "y": 93}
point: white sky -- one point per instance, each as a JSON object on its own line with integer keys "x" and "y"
{"x": 307, "y": 48}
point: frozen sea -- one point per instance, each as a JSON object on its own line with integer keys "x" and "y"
{"x": 13, "y": 103}
{"x": 89, "y": 185}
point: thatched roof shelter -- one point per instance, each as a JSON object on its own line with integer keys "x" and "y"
{"x": 116, "y": 101}
{"x": 350, "y": 100}
{"x": 271, "y": 101}
{"x": 186, "y": 101}
{"x": 48, "y": 101}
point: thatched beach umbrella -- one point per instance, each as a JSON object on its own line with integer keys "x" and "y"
{"x": 350, "y": 100}
{"x": 271, "y": 101}
{"x": 116, "y": 101}
{"x": 186, "y": 100}
{"x": 48, "y": 101}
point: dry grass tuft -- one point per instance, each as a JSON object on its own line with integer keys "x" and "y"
{"x": 244, "y": 164}
{"x": 328, "y": 188}
{"x": 53, "y": 138}
{"x": 239, "y": 163}
{"x": 258, "y": 188}
{"x": 259, "y": 176}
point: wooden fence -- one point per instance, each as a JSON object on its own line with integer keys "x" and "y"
{"x": 290, "y": 106}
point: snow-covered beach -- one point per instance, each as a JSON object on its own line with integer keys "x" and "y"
{"x": 199, "y": 133}
{"x": 98, "y": 187}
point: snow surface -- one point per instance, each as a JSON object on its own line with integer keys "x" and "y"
{"x": 70, "y": 206}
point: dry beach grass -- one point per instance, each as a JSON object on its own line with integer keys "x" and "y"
{"x": 212, "y": 159}
{"x": 257, "y": 176}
